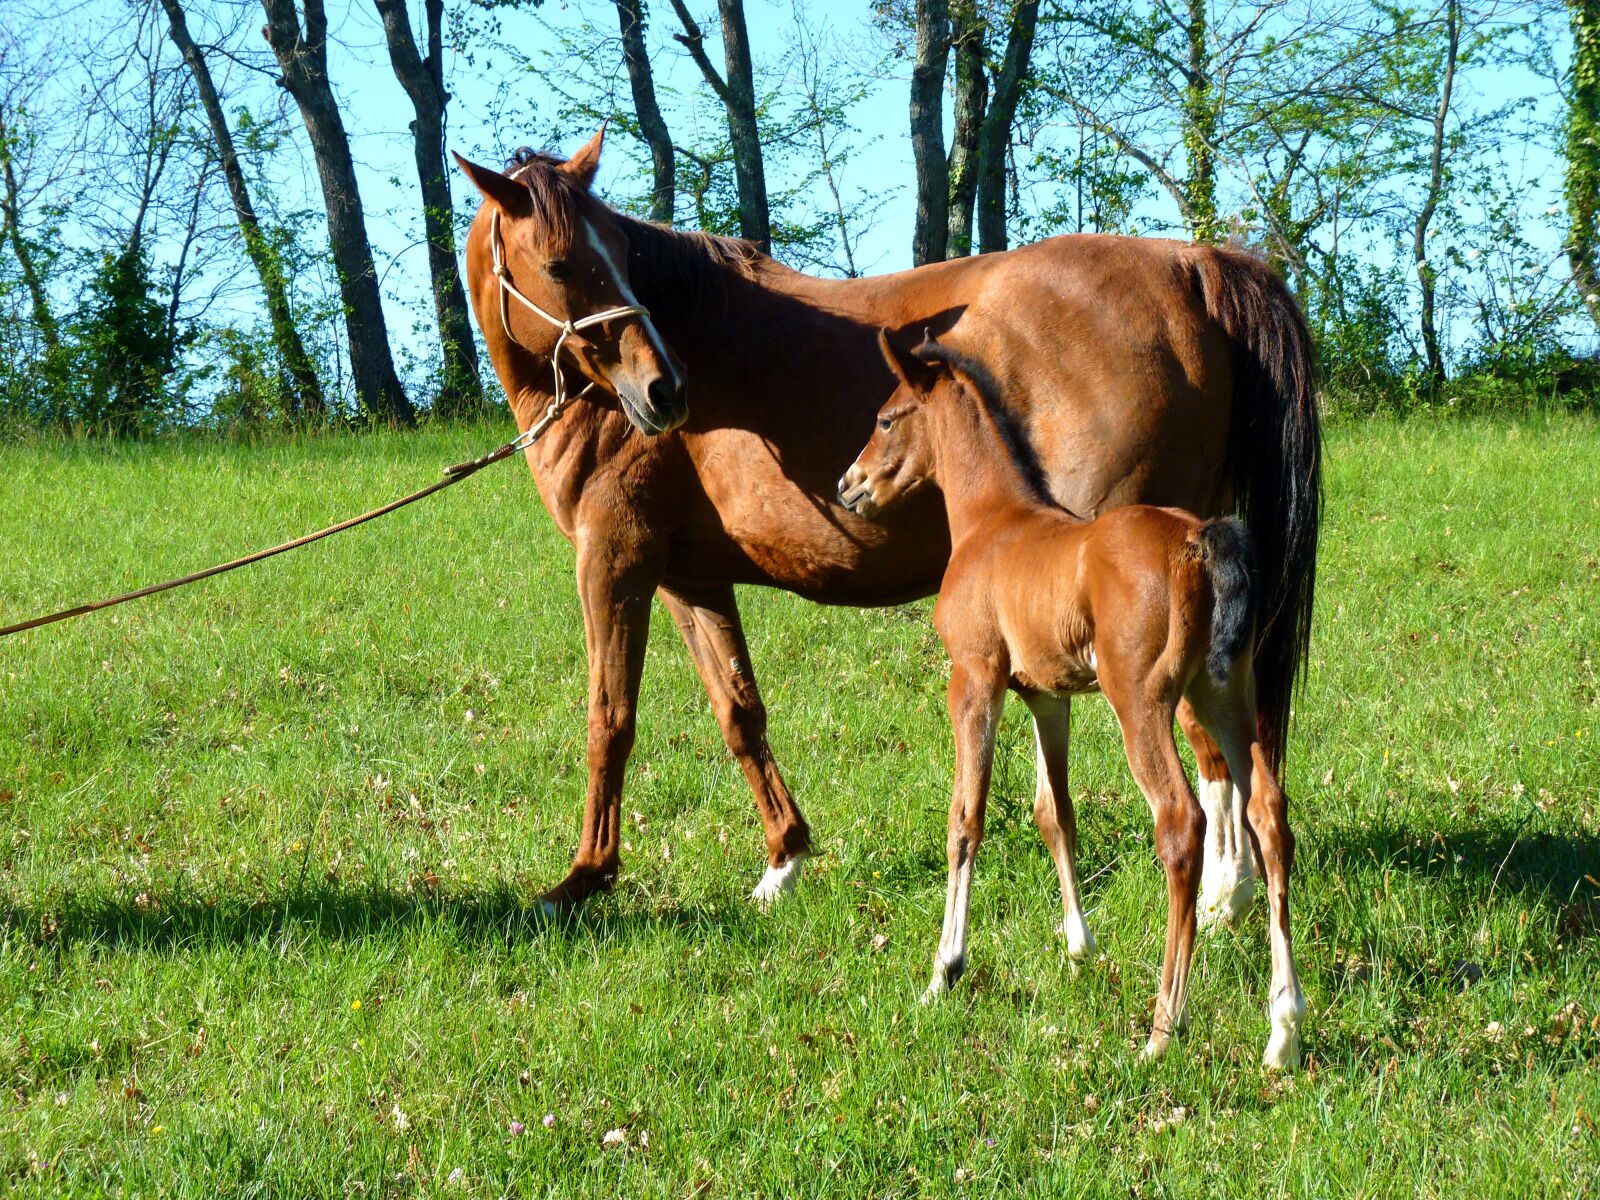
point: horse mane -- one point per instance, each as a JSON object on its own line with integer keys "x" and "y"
{"x": 674, "y": 271}
{"x": 977, "y": 379}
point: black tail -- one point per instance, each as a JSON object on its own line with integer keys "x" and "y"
{"x": 1275, "y": 463}
{"x": 1230, "y": 561}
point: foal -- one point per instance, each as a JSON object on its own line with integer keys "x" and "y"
{"x": 1147, "y": 605}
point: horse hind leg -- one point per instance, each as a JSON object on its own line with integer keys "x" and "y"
{"x": 715, "y": 637}
{"x": 1229, "y": 713}
{"x": 1053, "y": 813}
{"x": 1179, "y": 837}
{"x": 1228, "y": 880}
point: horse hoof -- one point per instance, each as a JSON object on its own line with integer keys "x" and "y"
{"x": 1080, "y": 942}
{"x": 1283, "y": 1051}
{"x": 778, "y": 881}
{"x": 1155, "y": 1047}
{"x": 1224, "y": 902}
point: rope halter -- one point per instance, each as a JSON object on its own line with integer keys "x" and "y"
{"x": 568, "y": 327}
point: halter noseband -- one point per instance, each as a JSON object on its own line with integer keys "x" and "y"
{"x": 567, "y": 327}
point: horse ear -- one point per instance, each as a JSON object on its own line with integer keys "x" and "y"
{"x": 908, "y": 368}
{"x": 582, "y": 165}
{"x": 500, "y": 190}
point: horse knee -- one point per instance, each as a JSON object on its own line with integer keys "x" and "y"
{"x": 611, "y": 731}
{"x": 1180, "y": 835}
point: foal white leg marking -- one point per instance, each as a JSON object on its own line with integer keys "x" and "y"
{"x": 778, "y": 881}
{"x": 1288, "y": 1007}
{"x": 599, "y": 246}
{"x": 950, "y": 960}
{"x": 1080, "y": 942}
{"x": 1228, "y": 879}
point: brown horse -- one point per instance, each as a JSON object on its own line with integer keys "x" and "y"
{"x": 1136, "y": 371}
{"x": 1149, "y": 606}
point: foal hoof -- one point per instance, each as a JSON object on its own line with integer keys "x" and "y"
{"x": 1155, "y": 1047}
{"x": 778, "y": 881}
{"x": 1283, "y": 1051}
{"x": 1223, "y": 902}
{"x": 1080, "y": 942}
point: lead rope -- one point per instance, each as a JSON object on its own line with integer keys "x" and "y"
{"x": 452, "y": 474}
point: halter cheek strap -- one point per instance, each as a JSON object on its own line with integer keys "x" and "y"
{"x": 568, "y": 327}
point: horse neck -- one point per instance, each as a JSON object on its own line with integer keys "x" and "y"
{"x": 975, "y": 467}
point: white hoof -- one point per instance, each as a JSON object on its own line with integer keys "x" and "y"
{"x": 1224, "y": 900}
{"x": 1080, "y": 942}
{"x": 778, "y": 881}
{"x": 1155, "y": 1047}
{"x": 944, "y": 978}
{"x": 1283, "y": 1047}
{"x": 548, "y": 909}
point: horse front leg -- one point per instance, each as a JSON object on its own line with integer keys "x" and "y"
{"x": 715, "y": 637}
{"x": 1228, "y": 879}
{"x": 616, "y": 620}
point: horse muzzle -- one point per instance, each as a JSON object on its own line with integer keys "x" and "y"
{"x": 855, "y": 493}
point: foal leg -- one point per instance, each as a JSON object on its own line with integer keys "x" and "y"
{"x": 1228, "y": 882}
{"x": 1052, "y": 812}
{"x": 1180, "y": 834}
{"x": 976, "y": 694}
{"x": 1230, "y": 714}
{"x": 616, "y": 621}
{"x": 711, "y": 629}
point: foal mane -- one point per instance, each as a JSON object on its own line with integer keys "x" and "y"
{"x": 977, "y": 380}
{"x": 673, "y": 270}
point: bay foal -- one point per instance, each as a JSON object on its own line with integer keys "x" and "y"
{"x": 1150, "y": 606}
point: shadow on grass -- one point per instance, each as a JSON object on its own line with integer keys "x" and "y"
{"x": 497, "y": 913}
{"x": 1535, "y": 868}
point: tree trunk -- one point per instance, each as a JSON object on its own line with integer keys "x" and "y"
{"x": 43, "y": 318}
{"x": 303, "y": 59}
{"x": 932, "y": 232}
{"x": 1583, "y": 155}
{"x": 1200, "y": 132}
{"x": 423, "y": 80}
{"x": 652, "y": 125}
{"x": 303, "y": 400}
{"x": 738, "y": 95}
{"x": 1426, "y": 274}
{"x": 972, "y": 97}
{"x": 994, "y": 140}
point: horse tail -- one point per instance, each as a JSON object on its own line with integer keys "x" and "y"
{"x": 1230, "y": 563}
{"x": 1274, "y": 462}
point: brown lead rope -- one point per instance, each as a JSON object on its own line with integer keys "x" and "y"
{"x": 452, "y": 475}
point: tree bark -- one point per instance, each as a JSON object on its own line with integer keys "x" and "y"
{"x": 738, "y": 94}
{"x": 303, "y": 59}
{"x": 423, "y": 80}
{"x": 1200, "y": 131}
{"x": 972, "y": 98}
{"x": 994, "y": 139}
{"x": 932, "y": 231}
{"x": 652, "y": 125}
{"x": 10, "y": 210}
{"x": 302, "y": 394}
{"x": 1583, "y": 155}
{"x": 1426, "y": 274}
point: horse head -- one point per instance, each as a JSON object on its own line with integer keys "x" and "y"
{"x": 564, "y": 256}
{"x": 899, "y": 457}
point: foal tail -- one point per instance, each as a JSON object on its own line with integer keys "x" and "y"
{"x": 1230, "y": 561}
{"x": 1274, "y": 463}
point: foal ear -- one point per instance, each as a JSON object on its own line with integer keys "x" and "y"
{"x": 500, "y": 190}
{"x": 908, "y": 368}
{"x": 582, "y": 165}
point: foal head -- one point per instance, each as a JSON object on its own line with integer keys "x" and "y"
{"x": 900, "y": 457}
{"x": 565, "y": 251}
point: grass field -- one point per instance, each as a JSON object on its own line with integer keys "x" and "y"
{"x": 270, "y": 845}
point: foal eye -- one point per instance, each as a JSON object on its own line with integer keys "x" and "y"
{"x": 558, "y": 270}
{"x": 884, "y": 423}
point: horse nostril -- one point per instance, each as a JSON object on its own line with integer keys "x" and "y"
{"x": 663, "y": 392}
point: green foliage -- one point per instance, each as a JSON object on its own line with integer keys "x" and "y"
{"x": 224, "y": 828}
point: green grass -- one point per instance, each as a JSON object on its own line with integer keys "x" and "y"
{"x": 233, "y": 813}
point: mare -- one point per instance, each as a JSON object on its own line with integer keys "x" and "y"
{"x": 727, "y": 392}
{"x": 1148, "y": 606}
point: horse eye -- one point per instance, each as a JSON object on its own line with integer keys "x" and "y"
{"x": 884, "y": 423}
{"x": 558, "y": 270}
